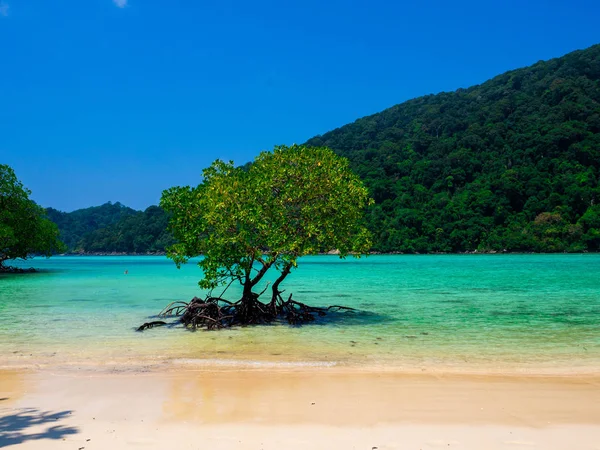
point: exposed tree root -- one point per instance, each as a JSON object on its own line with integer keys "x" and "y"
{"x": 215, "y": 312}
{"x": 147, "y": 325}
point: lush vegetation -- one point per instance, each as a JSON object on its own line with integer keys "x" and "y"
{"x": 291, "y": 202}
{"x": 143, "y": 232}
{"x": 24, "y": 228}
{"x": 75, "y": 225}
{"x": 512, "y": 164}
{"x": 113, "y": 228}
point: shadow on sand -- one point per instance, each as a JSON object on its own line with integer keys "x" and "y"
{"x": 15, "y": 428}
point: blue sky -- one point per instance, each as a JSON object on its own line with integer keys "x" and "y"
{"x": 119, "y": 99}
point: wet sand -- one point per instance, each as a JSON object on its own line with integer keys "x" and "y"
{"x": 316, "y": 408}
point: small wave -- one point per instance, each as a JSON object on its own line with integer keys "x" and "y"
{"x": 250, "y": 363}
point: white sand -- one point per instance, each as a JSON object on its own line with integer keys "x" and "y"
{"x": 318, "y": 409}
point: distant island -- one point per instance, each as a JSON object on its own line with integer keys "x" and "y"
{"x": 113, "y": 228}
{"x": 510, "y": 165}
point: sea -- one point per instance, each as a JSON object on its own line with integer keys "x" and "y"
{"x": 503, "y": 313}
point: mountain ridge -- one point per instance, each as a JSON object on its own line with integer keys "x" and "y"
{"x": 511, "y": 164}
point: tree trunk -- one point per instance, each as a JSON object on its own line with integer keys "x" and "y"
{"x": 286, "y": 271}
{"x": 247, "y": 292}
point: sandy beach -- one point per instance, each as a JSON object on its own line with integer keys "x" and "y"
{"x": 319, "y": 408}
{"x": 460, "y": 353}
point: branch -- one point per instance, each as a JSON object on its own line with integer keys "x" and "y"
{"x": 225, "y": 290}
{"x": 266, "y": 287}
{"x": 286, "y": 271}
{"x": 261, "y": 273}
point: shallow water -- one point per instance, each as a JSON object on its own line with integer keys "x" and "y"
{"x": 500, "y": 313}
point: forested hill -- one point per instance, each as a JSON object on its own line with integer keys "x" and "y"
{"x": 513, "y": 163}
{"x": 74, "y": 225}
{"x": 113, "y": 228}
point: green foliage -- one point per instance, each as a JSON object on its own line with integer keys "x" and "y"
{"x": 114, "y": 228}
{"x": 24, "y": 228}
{"x": 142, "y": 232}
{"x": 552, "y": 233}
{"x": 511, "y": 164}
{"x": 590, "y": 226}
{"x": 291, "y": 202}
{"x": 78, "y": 224}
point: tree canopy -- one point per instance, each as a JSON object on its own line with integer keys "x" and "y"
{"x": 513, "y": 163}
{"x": 24, "y": 228}
{"x": 290, "y": 202}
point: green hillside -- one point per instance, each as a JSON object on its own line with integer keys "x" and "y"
{"x": 113, "y": 228}
{"x": 512, "y": 164}
{"x": 144, "y": 232}
{"x": 74, "y": 225}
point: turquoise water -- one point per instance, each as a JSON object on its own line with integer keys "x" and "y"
{"x": 534, "y": 313}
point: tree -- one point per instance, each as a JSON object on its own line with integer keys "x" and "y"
{"x": 24, "y": 228}
{"x": 246, "y": 221}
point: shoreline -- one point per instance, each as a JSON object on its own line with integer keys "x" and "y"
{"x": 371, "y": 253}
{"x": 225, "y": 366}
{"x": 335, "y": 253}
{"x": 92, "y": 363}
{"x": 486, "y": 362}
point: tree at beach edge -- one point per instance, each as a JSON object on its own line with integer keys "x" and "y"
{"x": 247, "y": 221}
{"x": 24, "y": 228}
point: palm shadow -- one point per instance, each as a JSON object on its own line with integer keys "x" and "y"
{"x": 15, "y": 428}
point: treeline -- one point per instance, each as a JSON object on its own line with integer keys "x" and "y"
{"x": 512, "y": 164}
{"x": 113, "y": 228}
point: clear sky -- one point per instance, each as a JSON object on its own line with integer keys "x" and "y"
{"x": 119, "y": 99}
